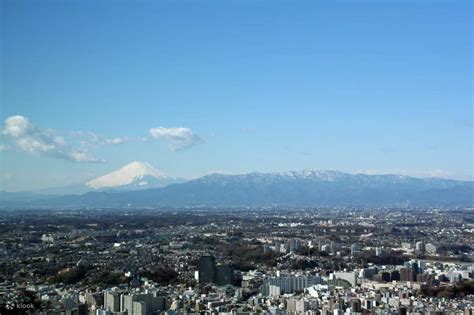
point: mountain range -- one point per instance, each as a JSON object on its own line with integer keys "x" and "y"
{"x": 138, "y": 184}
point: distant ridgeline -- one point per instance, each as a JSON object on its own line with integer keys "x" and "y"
{"x": 302, "y": 188}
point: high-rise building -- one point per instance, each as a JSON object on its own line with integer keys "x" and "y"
{"x": 208, "y": 272}
{"x": 224, "y": 275}
{"x": 112, "y": 301}
{"x": 150, "y": 303}
{"x": 207, "y": 269}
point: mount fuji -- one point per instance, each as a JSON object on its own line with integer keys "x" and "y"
{"x": 133, "y": 176}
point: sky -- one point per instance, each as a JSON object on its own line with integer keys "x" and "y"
{"x": 195, "y": 87}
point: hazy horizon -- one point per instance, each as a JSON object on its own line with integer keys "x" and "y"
{"x": 224, "y": 172}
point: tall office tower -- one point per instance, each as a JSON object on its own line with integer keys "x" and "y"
{"x": 224, "y": 275}
{"x": 207, "y": 269}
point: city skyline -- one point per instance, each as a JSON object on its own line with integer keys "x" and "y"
{"x": 235, "y": 88}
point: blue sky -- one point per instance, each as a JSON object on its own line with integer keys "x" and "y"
{"x": 357, "y": 86}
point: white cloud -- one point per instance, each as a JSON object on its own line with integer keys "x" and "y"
{"x": 17, "y": 126}
{"x": 84, "y": 156}
{"x": 114, "y": 141}
{"x": 180, "y": 138}
{"x": 89, "y": 139}
{"x": 35, "y": 140}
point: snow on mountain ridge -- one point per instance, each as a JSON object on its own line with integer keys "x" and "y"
{"x": 311, "y": 175}
{"x": 332, "y": 176}
{"x": 327, "y": 175}
{"x": 128, "y": 174}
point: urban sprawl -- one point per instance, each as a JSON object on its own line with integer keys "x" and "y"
{"x": 237, "y": 260}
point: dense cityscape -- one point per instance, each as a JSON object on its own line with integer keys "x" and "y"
{"x": 236, "y": 157}
{"x": 240, "y": 260}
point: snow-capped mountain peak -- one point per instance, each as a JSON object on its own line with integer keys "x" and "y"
{"x": 132, "y": 173}
{"x": 326, "y": 175}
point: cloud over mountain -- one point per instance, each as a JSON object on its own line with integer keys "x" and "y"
{"x": 179, "y": 138}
